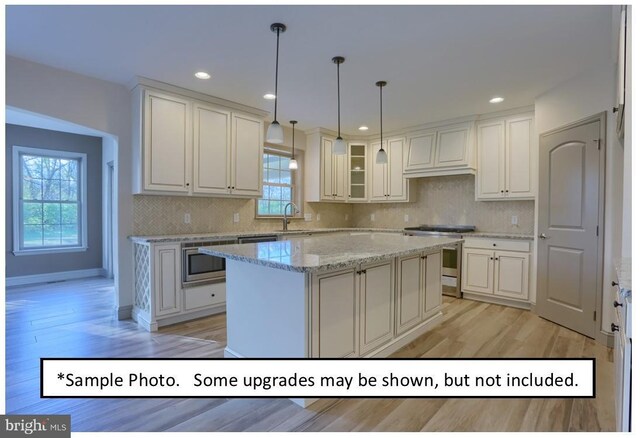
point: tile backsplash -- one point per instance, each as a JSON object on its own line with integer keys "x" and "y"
{"x": 448, "y": 200}
{"x": 439, "y": 200}
{"x": 159, "y": 215}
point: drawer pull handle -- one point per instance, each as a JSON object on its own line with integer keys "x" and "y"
{"x": 615, "y": 328}
{"x": 617, "y": 304}
{"x": 614, "y": 283}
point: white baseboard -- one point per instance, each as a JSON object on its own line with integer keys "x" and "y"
{"x": 525, "y": 305}
{"x": 54, "y": 276}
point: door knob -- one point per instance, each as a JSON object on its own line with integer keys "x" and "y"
{"x": 543, "y": 236}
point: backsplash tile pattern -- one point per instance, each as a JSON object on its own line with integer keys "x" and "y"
{"x": 439, "y": 200}
{"x": 160, "y": 215}
{"x": 449, "y": 200}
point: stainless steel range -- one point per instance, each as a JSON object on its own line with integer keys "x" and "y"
{"x": 451, "y": 256}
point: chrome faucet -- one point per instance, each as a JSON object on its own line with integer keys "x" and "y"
{"x": 285, "y": 219}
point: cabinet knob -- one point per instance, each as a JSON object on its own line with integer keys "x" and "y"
{"x": 228, "y": 187}
{"x": 501, "y": 191}
{"x": 617, "y": 304}
{"x": 187, "y": 184}
{"x": 494, "y": 244}
{"x": 507, "y": 191}
{"x": 614, "y": 283}
{"x": 615, "y": 327}
{"x": 213, "y": 295}
{"x": 233, "y": 188}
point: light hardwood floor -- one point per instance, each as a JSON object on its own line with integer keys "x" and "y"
{"x": 75, "y": 319}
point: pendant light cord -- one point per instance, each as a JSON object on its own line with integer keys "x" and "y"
{"x": 293, "y": 141}
{"x": 338, "y": 70}
{"x": 275, "y": 111}
{"x": 381, "y": 117}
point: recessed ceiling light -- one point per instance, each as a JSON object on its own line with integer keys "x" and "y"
{"x": 363, "y": 128}
{"x": 202, "y": 75}
{"x": 497, "y": 100}
{"x": 269, "y": 96}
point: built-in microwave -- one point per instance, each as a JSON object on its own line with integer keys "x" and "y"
{"x": 198, "y": 268}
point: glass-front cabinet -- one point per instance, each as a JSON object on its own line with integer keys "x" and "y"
{"x": 357, "y": 172}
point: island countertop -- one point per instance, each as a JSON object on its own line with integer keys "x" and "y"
{"x": 324, "y": 253}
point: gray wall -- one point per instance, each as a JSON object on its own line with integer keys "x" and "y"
{"x": 47, "y": 263}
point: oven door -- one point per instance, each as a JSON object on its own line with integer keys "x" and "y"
{"x": 199, "y": 268}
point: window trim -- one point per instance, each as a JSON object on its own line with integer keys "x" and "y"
{"x": 16, "y": 202}
{"x": 296, "y": 179}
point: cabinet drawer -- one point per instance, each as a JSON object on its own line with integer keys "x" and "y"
{"x": 497, "y": 244}
{"x": 203, "y": 296}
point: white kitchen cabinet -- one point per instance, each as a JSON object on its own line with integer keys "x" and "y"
{"x": 357, "y": 172}
{"x": 187, "y": 146}
{"x": 159, "y": 296}
{"x": 511, "y": 274}
{"x": 166, "y": 279}
{"x": 418, "y": 289}
{"x": 387, "y": 181}
{"x": 211, "y": 149}
{"x": 336, "y": 317}
{"x": 409, "y": 289}
{"x": 432, "y": 278}
{"x": 167, "y": 142}
{"x": 333, "y": 173}
{"x": 506, "y": 159}
{"x": 376, "y": 305}
{"x": 441, "y": 150}
{"x": 496, "y": 268}
{"x": 246, "y": 160}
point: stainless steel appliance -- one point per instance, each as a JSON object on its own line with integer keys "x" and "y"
{"x": 451, "y": 256}
{"x": 258, "y": 239}
{"x": 200, "y": 268}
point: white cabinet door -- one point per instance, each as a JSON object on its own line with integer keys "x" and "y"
{"x": 211, "y": 149}
{"x": 397, "y": 184}
{"x": 477, "y": 271}
{"x": 421, "y": 154}
{"x": 432, "y": 284}
{"x": 452, "y": 147}
{"x": 408, "y": 290}
{"x": 247, "y": 145}
{"x": 326, "y": 164}
{"x": 512, "y": 274}
{"x": 166, "y": 279}
{"x": 167, "y": 143}
{"x": 340, "y": 177}
{"x": 376, "y": 305}
{"x": 519, "y": 158}
{"x": 335, "y": 312}
{"x": 379, "y": 173}
{"x": 490, "y": 179}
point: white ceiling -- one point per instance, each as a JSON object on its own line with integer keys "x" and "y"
{"x": 440, "y": 61}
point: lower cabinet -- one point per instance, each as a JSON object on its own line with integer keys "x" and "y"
{"x": 159, "y": 298}
{"x": 359, "y": 310}
{"x": 502, "y": 272}
{"x": 419, "y": 289}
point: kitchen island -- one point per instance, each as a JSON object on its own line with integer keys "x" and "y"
{"x": 345, "y": 295}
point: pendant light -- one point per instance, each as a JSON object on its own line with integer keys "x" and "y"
{"x": 293, "y": 163}
{"x": 274, "y": 132}
{"x": 339, "y": 145}
{"x": 381, "y": 156}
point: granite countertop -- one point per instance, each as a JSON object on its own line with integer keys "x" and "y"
{"x": 500, "y": 235}
{"x": 623, "y": 271}
{"x": 219, "y": 236}
{"x": 323, "y": 253}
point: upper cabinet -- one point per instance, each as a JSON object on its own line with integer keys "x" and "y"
{"x": 506, "y": 159}
{"x": 387, "y": 181}
{"x": 184, "y": 146}
{"x": 445, "y": 150}
{"x": 357, "y": 172}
